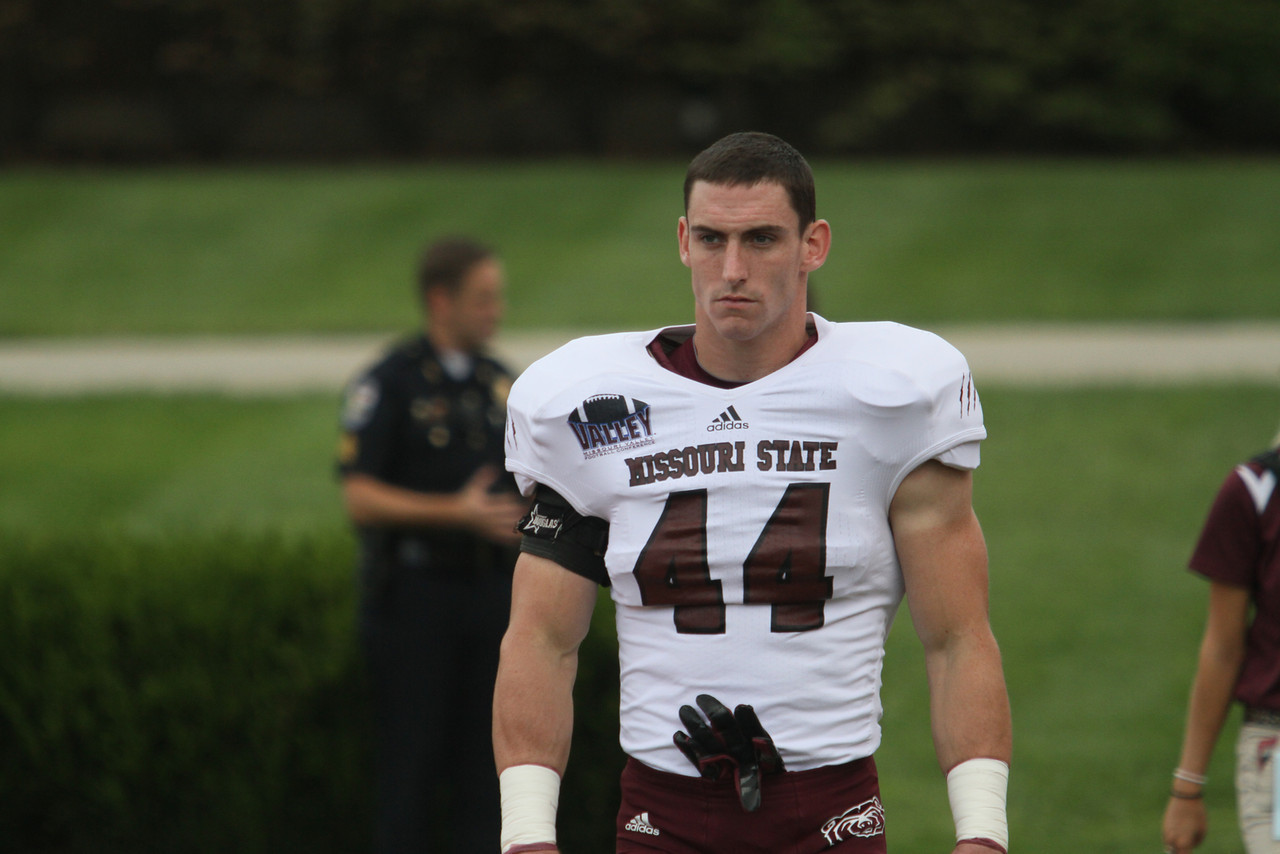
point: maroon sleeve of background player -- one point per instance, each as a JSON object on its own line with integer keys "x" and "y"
{"x": 1230, "y": 543}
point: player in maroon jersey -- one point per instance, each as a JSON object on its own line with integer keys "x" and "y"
{"x": 1239, "y": 553}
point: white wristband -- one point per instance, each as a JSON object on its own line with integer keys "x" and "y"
{"x": 530, "y": 796}
{"x": 978, "y": 789}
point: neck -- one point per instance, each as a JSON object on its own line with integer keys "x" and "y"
{"x": 747, "y": 361}
{"x": 446, "y": 343}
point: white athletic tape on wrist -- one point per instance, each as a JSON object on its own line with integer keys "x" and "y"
{"x": 978, "y": 790}
{"x": 530, "y": 797}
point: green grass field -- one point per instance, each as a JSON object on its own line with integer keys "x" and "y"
{"x": 1090, "y": 498}
{"x": 165, "y": 465}
{"x": 592, "y": 246}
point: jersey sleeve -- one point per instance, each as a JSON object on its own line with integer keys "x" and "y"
{"x": 540, "y": 455}
{"x": 525, "y": 444}
{"x": 966, "y": 456}
{"x": 540, "y": 445}
{"x": 943, "y": 417}
{"x": 1230, "y": 543}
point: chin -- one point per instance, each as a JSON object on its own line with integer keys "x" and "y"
{"x": 735, "y": 329}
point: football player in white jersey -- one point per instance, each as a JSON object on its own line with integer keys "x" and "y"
{"x": 758, "y": 490}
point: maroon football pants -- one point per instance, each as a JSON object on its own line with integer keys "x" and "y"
{"x": 803, "y": 812}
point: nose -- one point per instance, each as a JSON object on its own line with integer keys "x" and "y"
{"x": 735, "y": 263}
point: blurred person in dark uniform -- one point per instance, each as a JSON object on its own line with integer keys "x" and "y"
{"x": 1239, "y": 553}
{"x": 421, "y": 462}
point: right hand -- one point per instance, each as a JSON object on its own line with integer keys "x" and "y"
{"x": 491, "y": 515}
{"x": 1185, "y": 824}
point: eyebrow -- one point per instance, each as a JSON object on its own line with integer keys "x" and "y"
{"x": 755, "y": 229}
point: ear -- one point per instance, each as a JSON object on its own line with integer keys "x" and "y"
{"x": 817, "y": 243}
{"x": 682, "y": 236}
{"x": 436, "y": 300}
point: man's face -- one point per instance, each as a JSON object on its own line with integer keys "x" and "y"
{"x": 748, "y": 257}
{"x": 470, "y": 317}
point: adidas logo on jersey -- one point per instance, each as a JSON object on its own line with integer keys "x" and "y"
{"x": 728, "y": 420}
{"x": 640, "y": 824}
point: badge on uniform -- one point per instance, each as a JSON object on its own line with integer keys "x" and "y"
{"x": 362, "y": 397}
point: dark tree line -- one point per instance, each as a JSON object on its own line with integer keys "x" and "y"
{"x": 219, "y": 79}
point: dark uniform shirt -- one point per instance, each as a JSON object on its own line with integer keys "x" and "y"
{"x": 409, "y": 423}
{"x": 1240, "y": 546}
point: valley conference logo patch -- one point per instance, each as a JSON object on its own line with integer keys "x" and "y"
{"x": 609, "y": 423}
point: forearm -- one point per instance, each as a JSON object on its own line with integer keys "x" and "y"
{"x": 532, "y": 728}
{"x": 969, "y": 703}
{"x": 1211, "y": 693}
{"x": 1221, "y": 657}
{"x": 972, "y": 734}
{"x": 372, "y": 502}
{"x": 533, "y": 703}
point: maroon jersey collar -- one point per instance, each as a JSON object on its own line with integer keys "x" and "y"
{"x": 678, "y": 356}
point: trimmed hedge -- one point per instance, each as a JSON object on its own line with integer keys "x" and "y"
{"x": 205, "y": 694}
{"x": 193, "y": 695}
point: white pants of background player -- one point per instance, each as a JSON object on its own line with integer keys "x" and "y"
{"x": 1256, "y": 753}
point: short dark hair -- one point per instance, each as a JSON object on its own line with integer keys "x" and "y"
{"x": 750, "y": 157}
{"x": 446, "y": 262}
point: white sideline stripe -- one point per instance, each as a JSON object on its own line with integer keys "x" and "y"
{"x": 1102, "y": 354}
{"x": 1025, "y": 355}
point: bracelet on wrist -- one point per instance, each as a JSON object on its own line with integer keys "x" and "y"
{"x": 1185, "y": 796}
{"x": 1189, "y": 777}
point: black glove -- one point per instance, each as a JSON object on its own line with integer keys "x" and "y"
{"x": 734, "y": 743}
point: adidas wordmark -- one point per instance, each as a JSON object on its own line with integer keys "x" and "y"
{"x": 640, "y": 824}
{"x": 728, "y": 420}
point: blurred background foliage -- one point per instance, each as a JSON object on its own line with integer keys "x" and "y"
{"x": 216, "y": 79}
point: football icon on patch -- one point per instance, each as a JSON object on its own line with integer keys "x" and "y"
{"x": 604, "y": 422}
{"x": 606, "y": 409}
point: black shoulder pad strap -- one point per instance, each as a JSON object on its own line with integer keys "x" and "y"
{"x": 554, "y": 530}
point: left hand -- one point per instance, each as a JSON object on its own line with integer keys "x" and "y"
{"x": 734, "y": 743}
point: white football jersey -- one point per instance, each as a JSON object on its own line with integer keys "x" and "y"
{"x": 749, "y": 550}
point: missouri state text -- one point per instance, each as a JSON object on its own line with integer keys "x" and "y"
{"x": 713, "y": 457}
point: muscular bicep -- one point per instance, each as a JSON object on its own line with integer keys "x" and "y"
{"x": 550, "y": 605}
{"x": 942, "y": 552}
